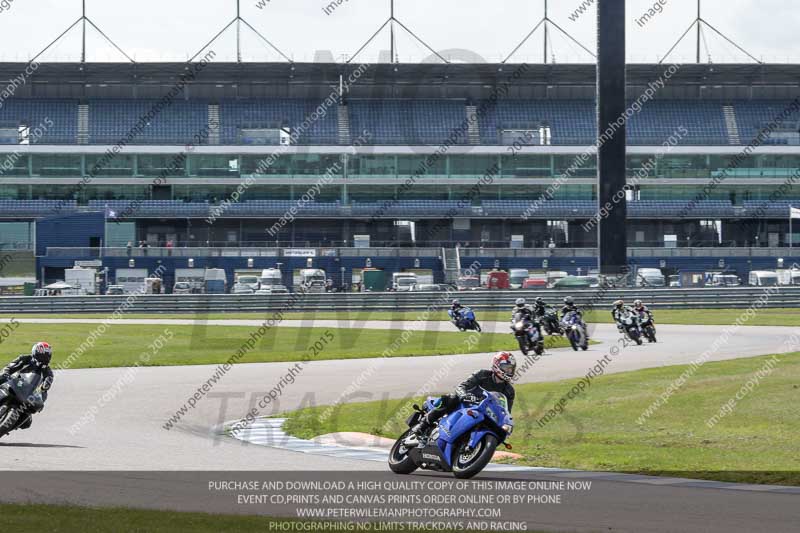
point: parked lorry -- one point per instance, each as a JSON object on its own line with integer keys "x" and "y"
{"x": 517, "y": 277}
{"x": 83, "y": 280}
{"x": 246, "y": 282}
{"x": 313, "y": 279}
{"x": 497, "y": 279}
{"x": 189, "y": 281}
{"x": 650, "y": 277}
{"x": 762, "y": 278}
{"x": 271, "y": 277}
{"x": 215, "y": 280}
{"x": 404, "y": 281}
{"x": 131, "y": 279}
{"x": 788, "y": 276}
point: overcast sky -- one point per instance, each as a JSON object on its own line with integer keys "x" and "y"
{"x": 162, "y": 30}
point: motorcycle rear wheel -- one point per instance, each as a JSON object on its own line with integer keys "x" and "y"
{"x": 469, "y": 464}
{"x": 399, "y": 462}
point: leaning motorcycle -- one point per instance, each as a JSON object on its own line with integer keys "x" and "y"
{"x": 462, "y": 442}
{"x": 575, "y": 330}
{"x": 465, "y": 320}
{"x": 528, "y": 336}
{"x": 630, "y": 325}
{"x": 20, "y": 398}
{"x": 647, "y": 326}
{"x": 550, "y": 323}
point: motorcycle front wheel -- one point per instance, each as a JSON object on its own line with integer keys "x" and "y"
{"x": 399, "y": 460}
{"x": 573, "y": 341}
{"x": 477, "y": 327}
{"x": 469, "y": 462}
{"x": 523, "y": 345}
{"x": 8, "y": 420}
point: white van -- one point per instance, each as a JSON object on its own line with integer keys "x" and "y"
{"x": 404, "y": 281}
{"x": 650, "y": 277}
{"x": 762, "y": 278}
{"x": 517, "y": 276}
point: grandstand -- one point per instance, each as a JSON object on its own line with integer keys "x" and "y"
{"x": 428, "y": 134}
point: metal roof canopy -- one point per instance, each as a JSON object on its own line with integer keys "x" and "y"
{"x": 425, "y": 75}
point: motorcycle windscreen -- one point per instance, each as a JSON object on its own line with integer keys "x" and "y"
{"x": 26, "y": 386}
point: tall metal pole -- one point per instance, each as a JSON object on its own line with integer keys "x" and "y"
{"x": 238, "y": 32}
{"x": 391, "y": 31}
{"x": 546, "y": 19}
{"x": 611, "y": 144}
{"x": 699, "y": 22}
{"x": 83, "y": 38}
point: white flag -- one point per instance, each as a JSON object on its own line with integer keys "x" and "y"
{"x": 795, "y": 212}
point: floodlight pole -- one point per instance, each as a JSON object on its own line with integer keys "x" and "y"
{"x": 545, "y": 21}
{"x": 391, "y": 21}
{"x": 239, "y": 20}
{"x": 700, "y": 21}
{"x": 83, "y": 20}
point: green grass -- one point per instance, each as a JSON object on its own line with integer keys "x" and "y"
{"x": 765, "y": 317}
{"x": 757, "y": 443}
{"x": 122, "y": 345}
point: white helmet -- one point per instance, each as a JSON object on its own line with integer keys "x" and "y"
{"x": 520, "y": 302}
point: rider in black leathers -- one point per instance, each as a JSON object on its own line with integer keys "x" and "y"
{"x": 37, "y": 361}
{"x": 498, "y": 379}
{"x": 539, "y": 307}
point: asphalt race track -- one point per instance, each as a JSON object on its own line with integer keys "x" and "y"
{"x": 128, "y": 434}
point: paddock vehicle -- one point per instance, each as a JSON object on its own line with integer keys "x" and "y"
{"x": 630, "y": 325}
{"x": 404, "y": 281}
{"x": 20, "y": 398}
{"x": 464, "y": 320}
{"x": 762, "y": 278}
{"x": 462, "y": 442}
{"x": 650, "y": 277}
{"x": 517, "y": 277}
{"x": 647, "y": 326}
{"x": 575, "y": 331}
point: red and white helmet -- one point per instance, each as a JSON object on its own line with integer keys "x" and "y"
{"x": 504, "y": 365}
{"x": 42, "y": 353}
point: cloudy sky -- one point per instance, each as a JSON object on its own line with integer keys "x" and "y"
{"x": 161, "y": 30}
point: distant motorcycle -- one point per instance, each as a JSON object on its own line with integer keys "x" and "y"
{"x": 20, "y": 398}
{"x": 464, "y": 320}
{"x": 630, "y": 325}
{"x": 527, "y": 335}
{"x": 463, "y": 442}
{"x": 575, "y": 331}
{"x": 647, "y": 326}
{"x": 550, "y": 322}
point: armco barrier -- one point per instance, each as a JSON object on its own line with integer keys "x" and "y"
{"x": 706, "y": 298}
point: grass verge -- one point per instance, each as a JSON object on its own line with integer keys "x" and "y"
{"x": 598, "y": 430}
{"x": 123, "y": 345}
{"x": 711, "y": 317}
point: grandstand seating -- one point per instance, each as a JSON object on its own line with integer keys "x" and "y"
{"x": 419, "y": 122}
{"x": 753, "y": 115}
{"x": 164, "y": 208}
{"x": 392, "y": 121}
{"x": 111, "y": 121}
{"x": 63, "y": 115}
{"x": 35, "y": 208}
{"x": 276, "y": 113}
{"x": 769, "y": 208}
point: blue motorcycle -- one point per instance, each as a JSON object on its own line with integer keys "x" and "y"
{"x": 464, "y": 320}
{"x": 575, "y": 331}
{"x": 463, "y": 442}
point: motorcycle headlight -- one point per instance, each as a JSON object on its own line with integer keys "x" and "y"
{"x": 508, "y": 428}
{"x": 519, "y": 325}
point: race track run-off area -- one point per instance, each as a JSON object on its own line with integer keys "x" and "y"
{"x": 128, "y": 432}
